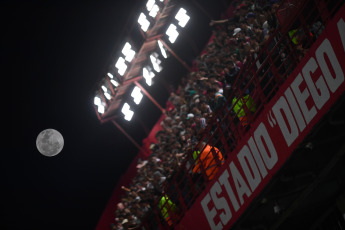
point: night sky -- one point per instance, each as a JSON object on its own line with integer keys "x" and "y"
{"x": 55, "y": 52}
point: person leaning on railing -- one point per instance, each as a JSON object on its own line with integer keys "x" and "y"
{"x": 239, "y": 103}
{"x": 207, "y": 158}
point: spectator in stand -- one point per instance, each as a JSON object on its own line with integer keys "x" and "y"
{"x": 242, "y": 104}
{"x": 236, "y": 40}
{"x": 207, "y": 159}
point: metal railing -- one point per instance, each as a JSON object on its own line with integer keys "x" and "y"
{"x": 300, "y": 24}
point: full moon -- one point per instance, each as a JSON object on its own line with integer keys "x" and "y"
{"x": 49, "y": 142}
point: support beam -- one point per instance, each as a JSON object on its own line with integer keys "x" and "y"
{"x": 128, "y": 136}
{"x": 175, "y": 55}
{"x": 132, "y": 80}
{"x": 150, "y": 97}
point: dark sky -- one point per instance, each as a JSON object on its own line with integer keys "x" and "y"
{"x": 54, "y": 52}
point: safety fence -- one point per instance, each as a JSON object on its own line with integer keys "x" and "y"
{"x": 300, "y": 25}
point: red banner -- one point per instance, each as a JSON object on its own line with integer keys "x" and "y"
{"x": 302, "y": 101}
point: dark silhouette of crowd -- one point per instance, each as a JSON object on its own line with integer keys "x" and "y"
{"x": 198, "y": 97}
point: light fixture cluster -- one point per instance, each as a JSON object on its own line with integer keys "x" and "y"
{"x": 108, "y": 88}
{"x": 129, "y": 54}
{"x": 110, "y": 84}
{"x": 182, "y": 17}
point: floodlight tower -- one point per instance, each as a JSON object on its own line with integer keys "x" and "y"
{"x": 159, "y": 22}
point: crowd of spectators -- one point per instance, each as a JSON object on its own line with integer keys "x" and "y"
{"x": 199, "y": 95}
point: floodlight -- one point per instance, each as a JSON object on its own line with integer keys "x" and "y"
{"x": 156, "y": 62}
{"x": 182, "y": 17}
{"x": 148, "y": 75}
{"x": 137, "y": 95}
{"x": 127, "y": 112}
{"x": 110, "y": 75}
{"x": 161, "y": 47}
{"x": 150, "y": 4}
{"x": 128, "y": 52}
{"x": 115, "y": 83}
{"x": 143, "y": 22}
{"x": 104, "y": 88}
{"x": 121, "y": 66}
{"x": 101, "y": 109}
{"x": 154, "y": 11}
{"x": 107, "y": 95}
{"x": 97, "y": 101}
{"x": 172, "y": 33}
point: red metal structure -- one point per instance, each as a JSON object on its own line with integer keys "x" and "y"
{"x": 290, "y": 95}
{"x": 134, "y": 72}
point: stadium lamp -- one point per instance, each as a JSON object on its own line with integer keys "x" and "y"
{"x": 121, "y": 66}
{"x": 156, "y": 62}
{"x": 115, "y": 83}
{"x": 148, "y": 75}
{"x": 100, "y": 105}
{"x": 150, "y": 4}
{"x": 172, "y": 33}
{"x": 101, "y": 109}
{"x": 107, "y": 95}
{"x": 162, "y": 49}
{"x": 128, "y": 52}
{"x": 110, "y": 75}
{"x": 105, "y": 92}
{"x": 143, "y": 22}
{"x": 182, "y": 17}
{"x": 154, "y": 11}
{"x": 127, "y": 112}
{"x": 97, "y": 101}
{"x": 137, "y": 95}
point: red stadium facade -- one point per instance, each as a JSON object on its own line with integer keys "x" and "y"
{"x": 271, "y": 177}
{"x": 306, "y": 96}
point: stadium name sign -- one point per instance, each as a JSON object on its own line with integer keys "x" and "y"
{"x": 305, "y": 97}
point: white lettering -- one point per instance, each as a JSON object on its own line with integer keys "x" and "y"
{"x": 289, "y": 129}
{"x": 319, "y": 99}
{"x": 257, "y": 157}
{"x": 341, "y": 29}
{"x": 301, "y": 98}
{"x": 261, "y": 132}
{"x": 210, "y": 214}
{"x": 295, "y": 109}
{"x": 220, "y": 203}
{"x": 245, "y": 157}
{"x": 223, "y": 180}
{"x": 241, "y": 186}
{"x": 326, "y": 48}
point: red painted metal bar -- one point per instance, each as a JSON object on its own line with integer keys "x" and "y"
{"x": 149, "y": 96}
{"x": 128, "y": 136}
{"x": 111, "y": 86}
{"x": 132, "y": 80}
{"x": 176, "y": 56}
